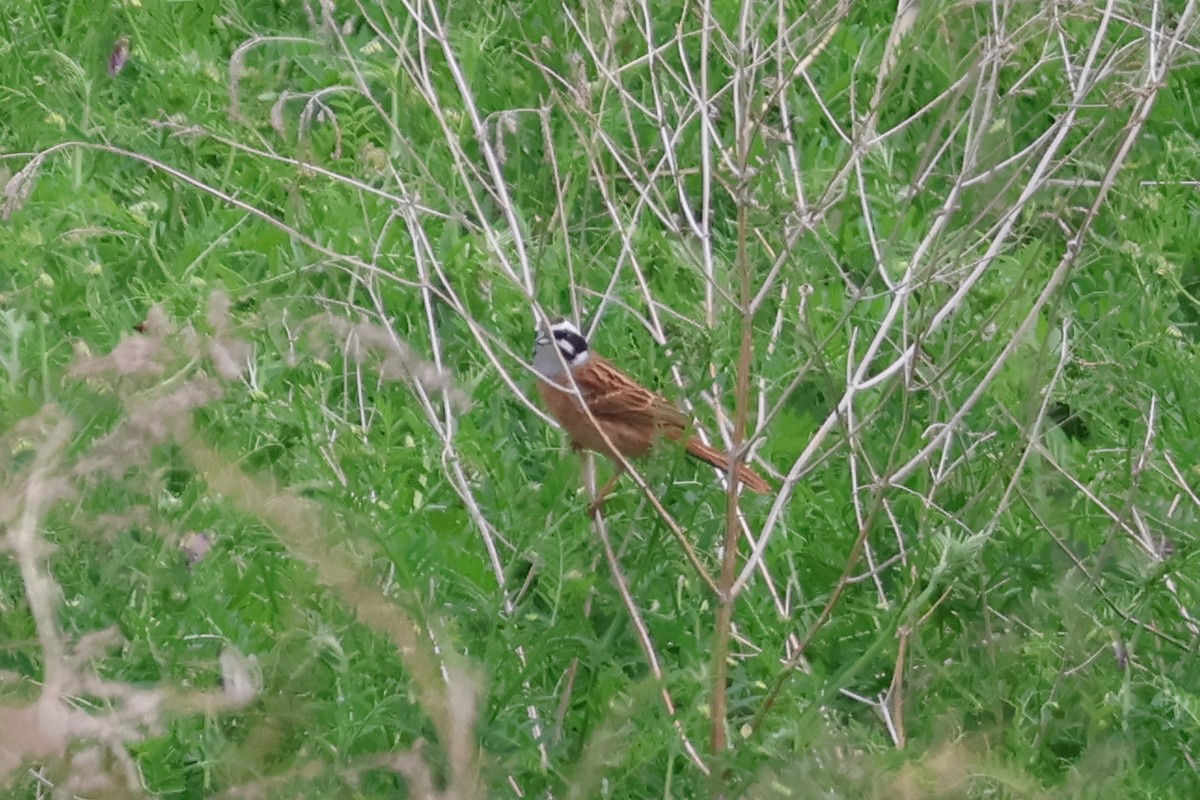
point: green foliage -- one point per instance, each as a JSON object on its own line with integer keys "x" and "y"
{"x": 382, "y": 199}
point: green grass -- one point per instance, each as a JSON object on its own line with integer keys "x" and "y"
{"x": 974, "y": 351}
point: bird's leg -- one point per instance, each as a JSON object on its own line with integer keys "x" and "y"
{"x": 597, "y": 504}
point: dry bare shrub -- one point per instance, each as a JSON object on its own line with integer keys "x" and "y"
{"x": 448, "y": 692}
{"x": 150, "y": 422}
{"x": 45, "y": 728}
{"x": 82, "y": 751}
{"x": 381, "y": 349}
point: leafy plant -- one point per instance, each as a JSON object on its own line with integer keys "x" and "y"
{"x": 270, "y": 275}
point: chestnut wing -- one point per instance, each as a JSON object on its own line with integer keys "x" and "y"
{"x": 613, "y": 395}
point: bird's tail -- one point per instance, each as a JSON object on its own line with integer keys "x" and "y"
{"x": 754, "y": 482}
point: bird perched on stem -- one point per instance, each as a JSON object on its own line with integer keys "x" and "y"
{"x": 612, "y": 413}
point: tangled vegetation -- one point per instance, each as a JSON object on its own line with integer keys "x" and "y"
{"x": 282, "y": 517}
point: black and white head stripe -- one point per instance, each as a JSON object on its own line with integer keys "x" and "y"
{"x": 570, "y": 341}
{"x": 557, "y": 344}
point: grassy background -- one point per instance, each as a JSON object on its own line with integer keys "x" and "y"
{"x": 970, "y": 235}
